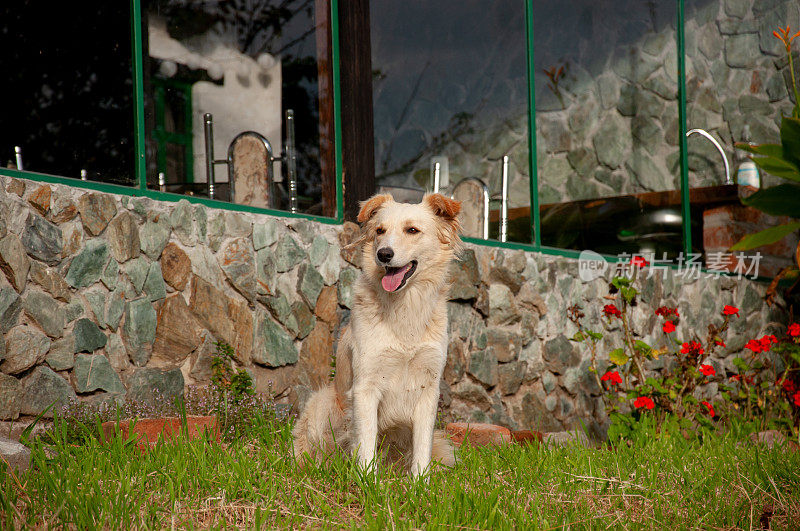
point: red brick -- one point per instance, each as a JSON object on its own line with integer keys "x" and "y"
{"x": 478, "y": 434}
{"x": 149, "y": 431}
{"x": 527, "y": 437}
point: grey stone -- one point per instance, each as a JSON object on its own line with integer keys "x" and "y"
{"x": 93, "y": 372}
{"x": 502, "y": 308}
{"x": 61, "y": 356}
{"x": 736, "y": 27}
{"x": 273, "y": 346}
{"x": 73, "y": 310}
{"x": 154, "y": 236}
{"x": 504, "y": 344}
{"x": 139, "y": 330}
{"x": 749, "y": 104}
{"x": 280, "y": 308}
{"x": 555, "y": 134}
{"x": 736, "y": 8}
{"x": 608, "y": 89}
{"x": 87, "y": 267}
{"x": 123, "y": 237}
{"x": 740, "y": 50}
{"x": 202, "y": 359}
{"x": 154, "y": 285}
{"x": 42, "y": 388}
{"x": 155, "y": 385}
{"x": 205, "y": 266}
{"x": 304, "y": 228}
{"x": 471, "y": 392}
{"x": 44, "y": 309}
{"x": 201, "y": 218}
{"x": 630, "y": 64}
{"x": 510, "y": 376}
{"x": 465, "y": 276}
{"x": 549, "y": 381}
{"x": 265, "y": 272}
{"x": 265, "y": 234}
{"x": 645, "y": 170}
{"x": 182, "y": 221}
{"x": 237, "y": 225}
{"x": 309, "y": 284}
{"x": 14, "y": 262}
{"x": 776, "y": 88}
{"x": 554, "y": 173}
{"x": 559, "y": 354}
{"x": 612, "y": 142}
{"x": 216, "y": 231}
{"x": 710, "y": 44}
{"x": 25, "y": 347}
{"x": 537, "y": 415}
{"x": 347, "y": 281}
{"x": 96, "y": 211}
{"x": 567, "y": 438}
{"x": 15, "y": 455}
{"x": 237, "y": 260}
{"x": 287, "y": 254}
{"x": 483, "y": 366}
{"x": 10, "y": 394}
{"x": 42, "y": 239}
{"x": 50, "y": 280}
{"x": 88, "y": 337}
{"x": 583, "y": 160}
{"x": 117, "y": 355}
{"x": 136, "y": 271}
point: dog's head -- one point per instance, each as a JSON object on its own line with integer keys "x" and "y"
{"x": 406, "y": 243}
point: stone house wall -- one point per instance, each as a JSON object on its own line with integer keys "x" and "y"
{"x": 104, "y": 297}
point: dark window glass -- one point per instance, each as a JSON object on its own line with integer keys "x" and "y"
{"x": 607, "y": 125}
{"x": 67, "y": 89}
{"x": 247, "y": 63}
{"x": 450, "y": 86}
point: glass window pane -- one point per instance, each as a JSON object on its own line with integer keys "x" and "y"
{"x": 738, "y": 86}
{"x": 607, "y": 125}
{"x": 67, "y": 89}
{"x": 450, "y": 86}
{"x": 247, "y": 63}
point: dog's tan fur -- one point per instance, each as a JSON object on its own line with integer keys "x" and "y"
{"x": 390, "y": 358}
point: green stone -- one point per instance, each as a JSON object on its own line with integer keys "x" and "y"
{"x": 110, "y": 276}
{"x": 347, "y": 282}
{"x": 483, "y": 366}
{"x": 318, "y": 251}
{"x": 137, "y": 270}
{"x": 265, "y": 234}
{"x": 287, "y": 254}
{"x": 265, "y": 272}
{"x": 154, "y": 285}
{"x": 87, "y": 267}
{"x": 42, "y": 239}
{"x": 73, "y": 310}
{"x": 93, "y": 372}
{"x": 309, "y": 284}
{"x": 10, "y": 308}
{"x": 154, "y": 236}
{"x": 182, "y": 221}
{"x": 155, "y": 386}
{"x": 140, "y": 330}
{"x": 201, "y": 216}
{"x": 43, "y": 389}
{"x": 97, "y": 303}
{"x": 274, "y": 347}
{"x": 305, "y": 319}
{"x": 88, "y": 337}
{"x": 115, "y": 308}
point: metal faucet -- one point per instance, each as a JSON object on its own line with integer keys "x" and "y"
{"x": 703, "y": 132}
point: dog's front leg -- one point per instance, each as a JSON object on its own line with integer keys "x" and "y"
{"x": 365, "y": 416}
{"x": 424, "y": 418}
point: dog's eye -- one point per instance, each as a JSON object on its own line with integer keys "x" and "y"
{"x": 380, "y": 230}
{"x": 412, "y": 230}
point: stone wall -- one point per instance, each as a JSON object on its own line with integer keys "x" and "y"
{"x": 104, "y": 297}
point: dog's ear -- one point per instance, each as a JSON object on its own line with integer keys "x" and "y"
{"x": 371, "y": 205}
{"x": 443, "y": 206}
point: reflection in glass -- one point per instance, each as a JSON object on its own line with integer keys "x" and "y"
{"x": 607, "y": 125}
{"x": 245, "y": 62}
{"x": 450, "y": 86}
{"x": 67, "y": 89}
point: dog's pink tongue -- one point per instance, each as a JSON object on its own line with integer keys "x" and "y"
{"x": 392, "y": 281}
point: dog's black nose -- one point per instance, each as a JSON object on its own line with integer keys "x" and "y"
{"x": 385, "y": 254}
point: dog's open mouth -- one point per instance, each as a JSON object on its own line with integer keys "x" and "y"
{"x": 395, "y": 277}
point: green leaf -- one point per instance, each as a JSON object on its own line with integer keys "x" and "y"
{"x": 619, "y": 282}
{"x": 765, "y": 237}
{"x": 768, "y": 150}
{"x": 781, "y": 200}
{"x": 740, "y": 364}
{"x": 641, "y": 345}
{"x": 579, "y": 336}
{"x": 618, "y": 357}
{"x": 628, "y": 293}
{"x": 595, "y": 335}
{"x": 778, "y": 167}
{"x": 790, "y": 139}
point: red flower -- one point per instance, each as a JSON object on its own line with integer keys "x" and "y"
{"x": 736, "y": 377}
{"x": 611, "y": 310}
{"x": 730, "y": 310}
{"x": 794, "y": 329}
{"x": 767, "y": 341}
{"x": 707, "y": 370}
{"x": 613, "y": 377}
{"x": 796, "y": 399}
{"x": 788, "y": 386}
{"x": 719, "y": 343}
{"x": 692, "y": 347}
{"x": 668, "y": 327}
{"x": 644, "y": 401}
{"x": 710, "y": 409}
{"x": 754, "y": 345}
{"x": 638, "y": 261}
{"x": 665, "y": 312}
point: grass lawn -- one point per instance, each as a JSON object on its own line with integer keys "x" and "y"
{"x": 254, "y": 482}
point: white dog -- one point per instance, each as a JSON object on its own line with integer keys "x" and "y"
{"x": 391, "y": 357}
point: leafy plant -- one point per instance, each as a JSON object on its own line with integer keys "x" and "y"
{"x": 235, "y": 383}
{"x": 781, "y": 160}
